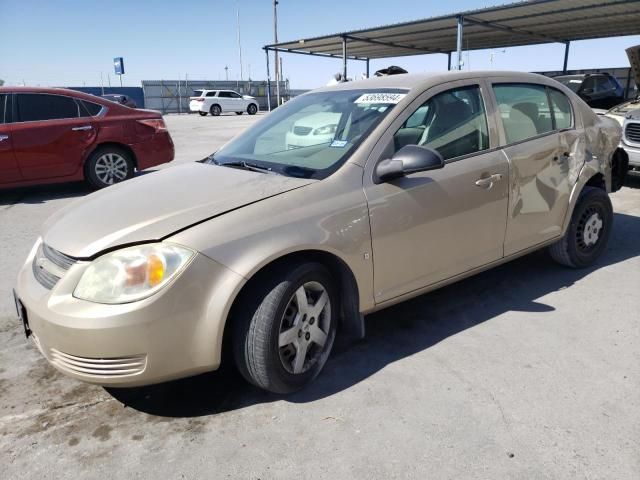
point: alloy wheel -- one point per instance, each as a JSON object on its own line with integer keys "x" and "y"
{"x": 111, "y": 168}
{"x": 304, "y": 328}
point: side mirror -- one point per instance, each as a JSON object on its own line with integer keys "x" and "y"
{"x": 409, "y": 159}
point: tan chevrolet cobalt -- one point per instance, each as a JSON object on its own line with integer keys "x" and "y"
{"x": 270, "y": 249}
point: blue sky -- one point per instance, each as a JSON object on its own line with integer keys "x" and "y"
{"x": 70, "y": 42}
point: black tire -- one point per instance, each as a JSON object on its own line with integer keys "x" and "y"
{"x": 215, "y": 110}
{"x": 239, "y": 113}
{"x": 98, "y": 176}
{"x": 203, "y": 114}
{"x": 588, "y": 233}
{"x": 252, "y": 109}
{"x": 266, "y": 309}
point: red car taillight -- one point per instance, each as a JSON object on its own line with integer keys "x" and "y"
{"x": 199, "y": 99}
{"x": 156, "y": 123}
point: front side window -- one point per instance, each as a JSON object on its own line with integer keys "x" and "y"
{"x": 562, "y": 112}
{"x": 37, "y": 106}
{"x": 312, "y": 135}
{"x": 453, "y": 122}
{"x": 224, "y": 94}
{"x": 234, "y": 95}
{"x": 524, "y": 110}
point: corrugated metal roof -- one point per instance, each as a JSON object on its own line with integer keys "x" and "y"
{"x": 516, "y": 24}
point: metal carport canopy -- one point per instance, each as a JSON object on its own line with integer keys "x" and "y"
{"x": 511, "y": 25}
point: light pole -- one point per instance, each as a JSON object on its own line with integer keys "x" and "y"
{"x": 275, "y": 40}
{"x": 239, "y": 44}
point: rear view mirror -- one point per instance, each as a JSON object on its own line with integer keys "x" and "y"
{"x": 409, "y": 159}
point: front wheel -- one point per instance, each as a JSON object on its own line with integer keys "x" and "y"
{"x": 252, "y": 109}
{"x": 284, "y": 333}
{"x": 589, "y": 230}
{"x": 108, "y": 165}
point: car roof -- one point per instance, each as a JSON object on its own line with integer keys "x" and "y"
{"x": 53, "y": 91}
{"x": 423, "y": 81}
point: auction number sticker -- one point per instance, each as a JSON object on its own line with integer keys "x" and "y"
{"x": 381, "y": 97}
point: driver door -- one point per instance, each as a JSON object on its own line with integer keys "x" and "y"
{"x": 430, "y": 226}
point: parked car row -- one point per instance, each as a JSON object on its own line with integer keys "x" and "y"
{"x": 270, "y": 251}
{"x": 58, "y": 135}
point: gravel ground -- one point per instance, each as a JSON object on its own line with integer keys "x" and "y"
{"x": 526, "y": 371}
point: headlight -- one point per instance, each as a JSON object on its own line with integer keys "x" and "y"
{"x": 326, "y": 130}
{"x": 132, "y": 273}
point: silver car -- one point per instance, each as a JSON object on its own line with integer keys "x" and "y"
{"x": 271, "y": 251}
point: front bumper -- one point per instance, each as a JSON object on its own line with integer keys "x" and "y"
{"x": 175, "y": 333}
{"x": 633, "y": 153}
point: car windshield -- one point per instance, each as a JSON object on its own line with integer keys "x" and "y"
{"x": 311, "y": 136}
{"x": 572, "y": 82}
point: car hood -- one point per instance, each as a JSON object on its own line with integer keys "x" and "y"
{"x": 156, "y": 205}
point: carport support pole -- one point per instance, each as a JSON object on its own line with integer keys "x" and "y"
{"x": 368, "y": 69}
{"x": 449, "y": 61}
{"x": 566, "y": 56}
{"x": 459, "y": 41}
{"x": 266, "y": 51}
{"x": 344, "y": 59}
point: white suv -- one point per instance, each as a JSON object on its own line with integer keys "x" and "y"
{"x": 216, "y": 102}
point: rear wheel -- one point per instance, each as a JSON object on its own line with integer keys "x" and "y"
{"x": 108, "y": 165}
{"x": 588, "y": 232}
{"x": 203, "y": 114}
{"x": 215, "y": 110}
{"x": 285, "y": 331}
{"x": 252, "y": 109}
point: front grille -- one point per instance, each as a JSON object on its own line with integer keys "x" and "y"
{"x": 99, "y": 367}
{"x": 632, "y": 132}
{"x": 49, "y": 266}
{"x": 302, "y": 130}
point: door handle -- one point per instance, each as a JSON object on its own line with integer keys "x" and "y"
{"x": 79, "y": 129}
{"x": 487, "y": 182}
{"x": 3, "y": 137}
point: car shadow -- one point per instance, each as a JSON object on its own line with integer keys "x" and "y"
{"x": 44, "y": 193}
{"x": 394, "y": 333}
{"x": 632, "y": 180}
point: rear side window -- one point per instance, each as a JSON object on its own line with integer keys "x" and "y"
{"x": 197, "y": 93}
{"x": 211, "y": 94}
{"x": 453, "y": 123}
{"x": 562, "y": 112}
{"x": 524, "y": 110}
{"x": 37, "y": 106}
{"x": 91, "y": 108}
{"x": 3, "y": 107}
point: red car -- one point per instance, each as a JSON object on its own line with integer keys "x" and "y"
{"x": 52, "y": 135}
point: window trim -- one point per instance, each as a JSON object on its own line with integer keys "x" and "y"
{"x": 3, "y": 108}
{"x": 553, "y": 114}
{"x": 15, "y": 108}
{"x": 493, "y": 83}
{"x": 103, "y": 110}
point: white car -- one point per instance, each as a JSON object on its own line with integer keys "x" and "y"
{"x": 216, "y": 102}
{"x": 314, "y": 129}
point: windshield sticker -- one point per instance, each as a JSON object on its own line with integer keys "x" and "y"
{"x": 380, "y": 98}
{"x": 338, "y": 143}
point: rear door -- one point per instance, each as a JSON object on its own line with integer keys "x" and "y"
{"x": 540, "y": 148}
{"x": 9, "y": 171}
{"x": 50, "y": 137}
{"x": 225, "y": 101}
